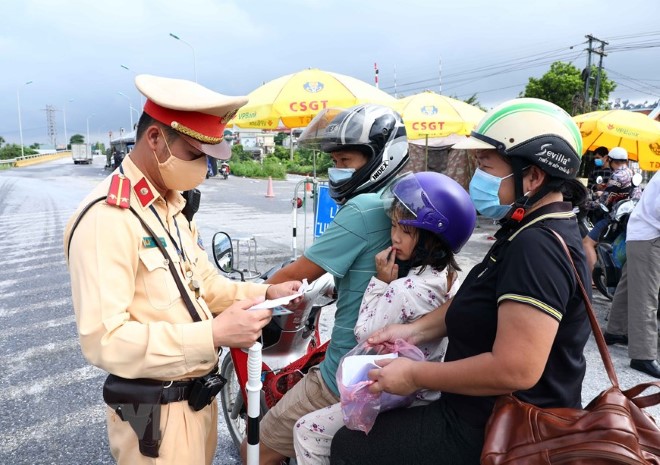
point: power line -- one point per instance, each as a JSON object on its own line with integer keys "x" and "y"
{"x": 466, "y": 76}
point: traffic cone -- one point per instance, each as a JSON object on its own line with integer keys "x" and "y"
{"x": 269, "y": 191}
{"x": 308, "y": 188}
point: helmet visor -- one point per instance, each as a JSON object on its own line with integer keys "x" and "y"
{"x": 409, "y": 193}
{"x": 333, "y": 129}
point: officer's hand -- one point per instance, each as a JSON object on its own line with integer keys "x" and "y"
{"x": 386, "y": 270}
{"x": 239, "y": 327}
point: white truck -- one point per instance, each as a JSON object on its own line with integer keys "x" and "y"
{"x": 81, "y": 153}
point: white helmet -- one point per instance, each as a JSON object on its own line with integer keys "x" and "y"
{"x": 618, "y": 153}
{"x": 532, "y": 129}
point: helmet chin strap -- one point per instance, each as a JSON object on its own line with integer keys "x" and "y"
{"x": 523, "y": 203}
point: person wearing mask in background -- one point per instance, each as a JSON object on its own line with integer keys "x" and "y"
{"x": 601, "y": 168}
{"x": 368, "y": 146}
{"x": 618, "y": 187}
{"x": 633, "y": 318}
{"x": 518, "y": 322}
{"x": 151, "y": 309}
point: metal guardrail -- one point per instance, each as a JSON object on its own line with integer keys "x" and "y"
{"x": 33, "y": 159}
{"x": 9, "y": 163}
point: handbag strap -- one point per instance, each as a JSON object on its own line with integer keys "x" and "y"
{"x": 595, "y": 327}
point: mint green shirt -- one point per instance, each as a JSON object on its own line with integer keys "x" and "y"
{"x": 347, "y": 250}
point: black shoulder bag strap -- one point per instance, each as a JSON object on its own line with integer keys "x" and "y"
{"x": 182, "y": 290}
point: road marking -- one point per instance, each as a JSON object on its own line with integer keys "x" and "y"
{"x": 37, "y": 386}
{"x": 53, "y": 427}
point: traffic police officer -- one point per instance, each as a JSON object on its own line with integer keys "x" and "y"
{"x": 151, "y": 309}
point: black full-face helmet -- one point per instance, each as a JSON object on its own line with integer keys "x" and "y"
{"x": 374, "y": 130}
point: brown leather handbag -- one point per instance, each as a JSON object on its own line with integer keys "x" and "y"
{"x": 612, "y": 429}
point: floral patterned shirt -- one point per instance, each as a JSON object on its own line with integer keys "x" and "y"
{"x": 403, "y": 301}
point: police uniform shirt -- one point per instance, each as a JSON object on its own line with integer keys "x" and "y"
{"x": 131, "y": 319}
{"x": 527, "y": 265}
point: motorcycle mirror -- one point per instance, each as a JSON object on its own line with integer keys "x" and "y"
{"x": 636, "y": 179}
{"x": 223, "y": 252}
{"x": 599, "y": 180}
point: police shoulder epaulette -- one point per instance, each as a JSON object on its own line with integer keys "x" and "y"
{"x": 119, "y": 193}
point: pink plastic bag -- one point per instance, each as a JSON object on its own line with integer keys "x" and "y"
{"x": 359, "y": 406}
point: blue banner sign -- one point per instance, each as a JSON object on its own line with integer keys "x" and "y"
{"x": 326, "y": 209}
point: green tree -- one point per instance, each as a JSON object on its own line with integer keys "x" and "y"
{"x": 279, "y": 137}
{"x": 77, "y": 139}
{"x": 474, "y": 101}
{"x": 14, "y": 151}
{"x": 35, "y": 146}
{"x": 2, "y": 141}
{"x": 563, "y": 85}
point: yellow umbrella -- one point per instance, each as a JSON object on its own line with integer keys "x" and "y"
{"x": 635, "y": 132}
{"x": 296, "y": 98}
{"x": 428, "y": 114}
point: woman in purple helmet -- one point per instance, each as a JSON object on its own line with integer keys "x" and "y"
{"x": 432, "y": 218}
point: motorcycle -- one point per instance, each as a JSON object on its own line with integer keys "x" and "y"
{"x": 610, "y": 250}
{"x": 224, "y": 170}
{"x": 291, "y": 345}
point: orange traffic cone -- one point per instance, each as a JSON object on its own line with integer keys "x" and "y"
{"x": 308, "y": 188}
{"x": 269, "y": 191}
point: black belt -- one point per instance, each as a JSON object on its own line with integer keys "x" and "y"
{"x": 175, "y": 391}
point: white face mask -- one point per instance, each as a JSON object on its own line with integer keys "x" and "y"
{"x": 181, "y": 175}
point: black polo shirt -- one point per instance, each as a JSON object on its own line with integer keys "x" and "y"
{"x": 526, "y": 264}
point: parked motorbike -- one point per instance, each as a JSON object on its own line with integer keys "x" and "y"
{"x": 610, "y": 250}
{"x": 291, "y": 345}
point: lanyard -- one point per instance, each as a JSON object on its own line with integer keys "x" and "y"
{"x": 179, "y": 251}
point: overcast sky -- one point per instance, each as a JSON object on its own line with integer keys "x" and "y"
{"x": 72, "y": 50}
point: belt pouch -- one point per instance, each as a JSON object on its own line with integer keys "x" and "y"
{"x": 137, "y": 401}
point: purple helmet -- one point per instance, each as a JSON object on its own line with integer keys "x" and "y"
{"x": 439, "y": 204}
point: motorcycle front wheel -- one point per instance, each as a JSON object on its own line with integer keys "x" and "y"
{"x": 233, "y": 408}
{"x": 600, "y": 280}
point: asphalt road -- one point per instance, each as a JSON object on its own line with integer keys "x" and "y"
{"x": 50, "y": 396}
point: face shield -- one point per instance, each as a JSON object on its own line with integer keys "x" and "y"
{"x": 334, "y": 129}
{"x": 411, "y": 195}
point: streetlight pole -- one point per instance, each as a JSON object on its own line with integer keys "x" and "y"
{"x": 191, "y": 48}
{"x": 20, "y": 124}
{"x": 130, "y": 107}
{"x": 134, "y": 74}
{"x": 87, "y": 140}
{"x": 66, "y": 139}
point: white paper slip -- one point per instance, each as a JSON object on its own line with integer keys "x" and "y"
{"x": 272, "y": 303}
{"x": 355, "y": 367}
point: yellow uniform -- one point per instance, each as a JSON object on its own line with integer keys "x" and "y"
{"x": 132, "y": 321}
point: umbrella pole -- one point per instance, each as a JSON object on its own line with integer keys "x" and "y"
{"x": 253, "y": 388}
{"x": 426, "y": 154}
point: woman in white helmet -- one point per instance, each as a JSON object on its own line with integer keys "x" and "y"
{"x": 517, "y": 324}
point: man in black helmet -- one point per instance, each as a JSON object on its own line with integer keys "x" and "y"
{"x": 368, "y": 146}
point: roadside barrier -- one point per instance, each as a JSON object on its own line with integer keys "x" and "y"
{"x": 28, "y": 160}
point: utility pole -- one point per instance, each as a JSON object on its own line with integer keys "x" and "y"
{"x": 440, "y": 76}
{"x": 590, "y": 104}
{"x": 50, "y": 122}
{"x": 601, "y": 51}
